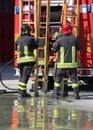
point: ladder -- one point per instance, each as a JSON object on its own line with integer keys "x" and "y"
{"x": 43, "y": 38}
{"x": 30, "y": 13}
{"x": 71, "y": 12}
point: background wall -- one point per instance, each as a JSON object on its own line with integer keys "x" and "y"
{"x": 6, "y": 30}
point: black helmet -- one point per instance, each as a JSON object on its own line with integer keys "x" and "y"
{"x": 25, "y": 30}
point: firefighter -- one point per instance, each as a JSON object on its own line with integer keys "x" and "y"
{"x": 67, "y": 47}
{"x": 57, "y": 35}
{"x": 25, "y": 46}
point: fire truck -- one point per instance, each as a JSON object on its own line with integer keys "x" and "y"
{"x": 46, "y": 16}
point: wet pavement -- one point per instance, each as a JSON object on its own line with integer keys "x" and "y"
{"x": 42, "y": 113}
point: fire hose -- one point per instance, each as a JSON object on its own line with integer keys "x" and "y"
{"x": 1, "y": 80}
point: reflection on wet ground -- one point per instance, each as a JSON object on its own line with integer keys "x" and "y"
{"x": 40, "y": 114}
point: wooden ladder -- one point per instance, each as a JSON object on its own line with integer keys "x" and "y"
{"x": 71, "y": 12}
{"x": 31, "y": 14}
{"x": 43, "y": 40}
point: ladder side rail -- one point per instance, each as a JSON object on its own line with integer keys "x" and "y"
{"x": 47, "y": 44}
{"x": 64, "y": 13}
{"x": 20, "y": 14}
{"x": 77, "y": 18}
{"x": 36, "y": 51}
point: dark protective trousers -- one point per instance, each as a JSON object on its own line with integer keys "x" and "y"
{"x": 25, "y": 71}
{"x": 62, "y": 73}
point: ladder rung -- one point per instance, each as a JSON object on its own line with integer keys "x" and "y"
{"x": 75, "y": 26}
{"x": 40, "y": 48}
{"x": 32, "y": 34}
{"x": 27, "y": 22}
{"x": 43, "y": 27}
{"x": 41, "y": 37}
{"x": 43, "y": 5}
{"x": 40, "y": 58}
{"x": 71, "y": 6}
{"x": 71, "y": 16}
{"x": 71, "y": 13}
{"x": 28, "y": 0}
{"x": 43, "y": 16}
{"x": 28, "y": 11}
{"x": 49, "y": 22}
{"x": 39, "y": 79}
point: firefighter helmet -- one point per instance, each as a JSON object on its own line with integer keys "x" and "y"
{"x": 25, "y": 30}
{"x": 66, "y": 28}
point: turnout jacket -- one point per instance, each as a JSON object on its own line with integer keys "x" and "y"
{"x": 25, "y": 46}
{"x": 67, "y": 47}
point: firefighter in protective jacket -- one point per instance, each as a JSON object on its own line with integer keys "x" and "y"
{"x": 65, "y": 91}
{"x": 66, "y": 47}
{"x": 25, "y": 46}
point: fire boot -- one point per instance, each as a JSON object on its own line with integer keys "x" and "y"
{"x": 76, "y": 93}
{"x": 23, "y": 94}
{"x": 55, "y": 93}
{"x": 65, "y": 93}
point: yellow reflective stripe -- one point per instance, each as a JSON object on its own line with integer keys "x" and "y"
{"x": 73, "y": 54}
{"x": 26, "y": 50}
{"x": 41, "y": 62}
{"x": 65, "y": 79}
{"x": 21, "y": 83}
{"x": 57, "y": 84}
{"x": 21, "y": 88}
{"x": 61, "y": 64}
{"x": 32, "y": 102}
{"x": 75, "y": 85}
{"x": 56, "y": 113}
{"x": 26, "y": 59}
{"x": 67, "y": 65}
{"x": 42, "y": 101}
{"x": 62, "y": 55}
{"x": 21, "y": 108}
{"x": 26, "y": 31}
{"x": 55, "y": 34}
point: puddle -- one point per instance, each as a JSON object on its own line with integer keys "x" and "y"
{"x": 41, "y": 114}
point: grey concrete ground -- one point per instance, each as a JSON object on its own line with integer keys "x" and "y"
{"x": 10, "y": 79}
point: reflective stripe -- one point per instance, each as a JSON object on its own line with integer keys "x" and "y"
{"x": 73, "y": 54}
{"x": 21, "y": 83}
{"x": 57, "y": 84}
{"x": 32, "y": 101}
{"x": 26, "y": 50}
{"x": 65, "y": 79}
{"x": 55, "y": 34}
{"x": 21, "y": 88}
{"x": 26, "y": 59}
{"x": 56, "y": 112}
{"x": 41, "y": 62}
{"x": 21, "y": 108}
{"x": 75, "y": 85}
{"x": 67, "y": 65}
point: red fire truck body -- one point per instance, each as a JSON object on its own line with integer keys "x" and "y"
{"x": 85, "y": 57}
